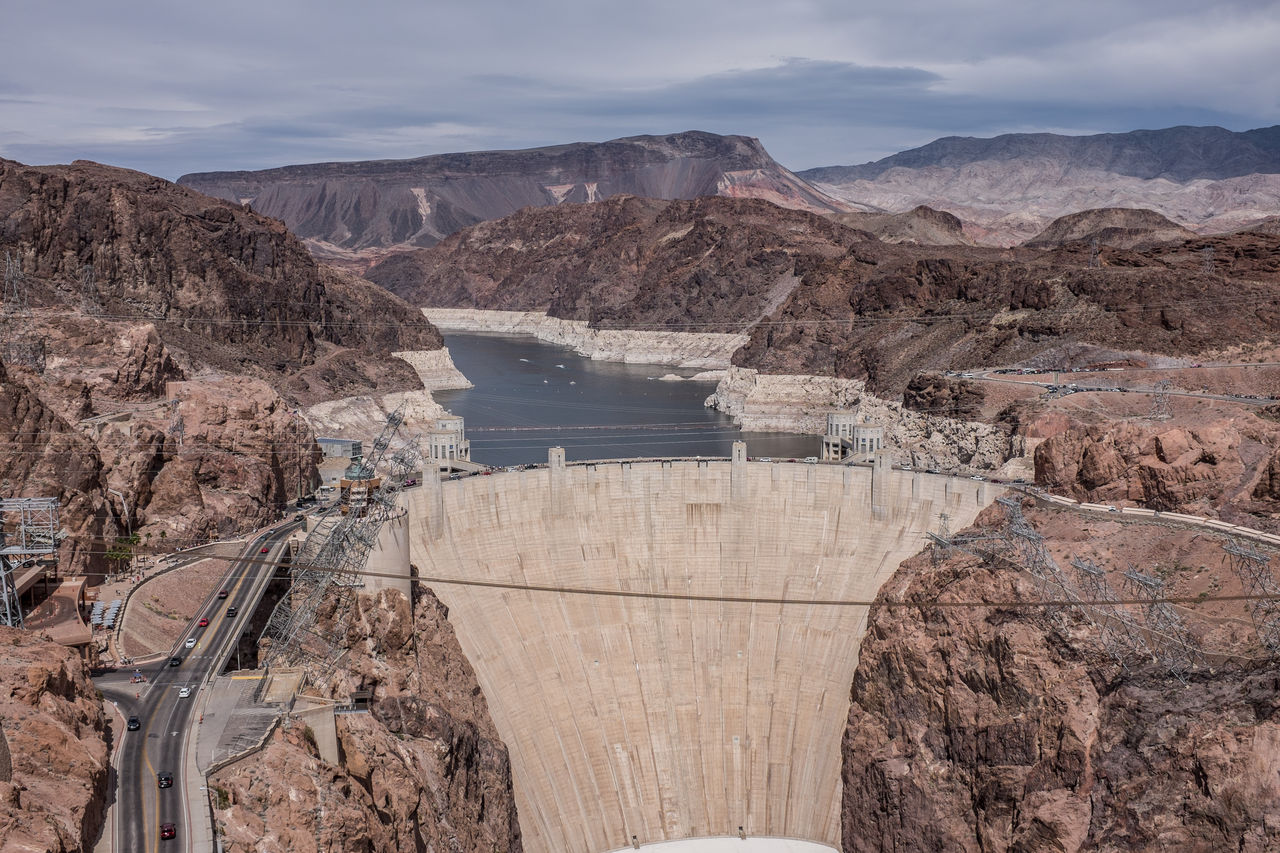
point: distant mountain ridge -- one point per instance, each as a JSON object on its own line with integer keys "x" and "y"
{"x": 1008, "y": 188}
{"x": 1179, "y": 154}
{"x": 361, "y": 210}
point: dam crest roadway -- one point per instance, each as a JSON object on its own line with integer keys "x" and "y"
{"x": 647, "y": 718}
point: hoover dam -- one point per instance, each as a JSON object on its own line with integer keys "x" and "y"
{"x": 705, "y": 697}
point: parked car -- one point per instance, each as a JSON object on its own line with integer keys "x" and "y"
{"x": 164, "y": 780}
{"x": 133, "y": 724}
{"x": 168, "y": 830}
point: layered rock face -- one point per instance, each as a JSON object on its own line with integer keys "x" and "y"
{"x": 1001, "y": 729}
{"x": 357, "y": 211}
{"x": 423, "y": 770}
{"x": 54, "y": 748}
{"x": 1010, "y": 187}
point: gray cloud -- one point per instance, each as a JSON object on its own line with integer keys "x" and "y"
{"x": 170, "y": 88}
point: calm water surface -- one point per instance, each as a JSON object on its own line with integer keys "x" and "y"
{"x": 531, "y": 395}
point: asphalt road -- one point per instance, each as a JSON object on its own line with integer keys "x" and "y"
{"x": 157, "y": 747}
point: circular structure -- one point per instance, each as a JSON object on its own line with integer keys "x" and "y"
{"x": 707, "y": 696}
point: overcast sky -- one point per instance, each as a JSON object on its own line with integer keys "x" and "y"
{"x": 174, "y": 87}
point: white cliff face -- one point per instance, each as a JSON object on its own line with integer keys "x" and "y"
{"x": 435, "y": 368}
{"x": 705, "y": 350}
{"x": 365, "y": 416}
{"x": 766, "y": 402}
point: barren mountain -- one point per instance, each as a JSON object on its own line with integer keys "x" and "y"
{"x": 160, "y": 347}
{"x": 712, "y": 262}
{"x": 922, "y": 225}
{"x": 1009, "y": 187}
{"x": 836, "y": 300}
{"x": 1121, "y": 227}
{"x": 358, "y": 211}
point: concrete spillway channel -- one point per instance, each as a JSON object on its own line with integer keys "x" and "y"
{"x": 638, "y": 720}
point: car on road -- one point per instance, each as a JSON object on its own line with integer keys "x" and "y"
{"x": 168, "y": 830}
{"x": 265, "y": 550}
{"x": 190, "y": 643}
{"x": 232, "y": 610}
{"x": 176, "y": 660}
{"x": 412, "y": 482}
{"x": 164, "y": 780}
{"x": 133, "y": 724}
{"x": 224, "y": 593}
{"x": 204, "y": 622}
{"x": 184, "y": 692}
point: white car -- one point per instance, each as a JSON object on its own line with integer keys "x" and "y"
{"x": 190, "y": 643}
{"x": 184, "y": 693}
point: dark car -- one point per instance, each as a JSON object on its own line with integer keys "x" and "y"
{"x": 164, "y": 780}
{"x": 133, "y": 724}
{"x": 232, "y": 610}
{"x": 175, "y": 661}
{"x": 168, "y": 830}
{"x": 224, "y": 593}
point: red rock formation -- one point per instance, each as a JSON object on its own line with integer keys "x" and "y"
{"x": 997, "y": 729}
{"x": 54, "y": 796}
{"x": 1208, "y": 469}
{"x": 424, "y": 770}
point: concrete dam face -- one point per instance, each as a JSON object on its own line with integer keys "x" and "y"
{"x": 644, "y": 719}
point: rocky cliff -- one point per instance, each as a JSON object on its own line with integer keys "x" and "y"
{"x": 1009, "y": 728}
{"x": 53, "y": 732}
{"x": 358, "y": 211}
{"x": 130, "y": 287}
{"x": 423, "y": 770}
{"x": 1007, "y": 188}
{"x": 233, "y": 289}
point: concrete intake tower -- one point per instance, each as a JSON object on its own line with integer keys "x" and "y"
{"x": 673, "y": 713}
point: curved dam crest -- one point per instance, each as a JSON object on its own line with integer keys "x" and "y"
{"x": 638, "y": 720}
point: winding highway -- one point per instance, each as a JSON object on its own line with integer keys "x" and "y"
{"x": 159, "y": 744}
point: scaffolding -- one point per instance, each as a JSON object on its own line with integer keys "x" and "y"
{"x": 28, "y": 531}
{"x": 308, "y": 624}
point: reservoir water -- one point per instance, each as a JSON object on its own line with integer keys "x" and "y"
{"x": 530, "y": 395}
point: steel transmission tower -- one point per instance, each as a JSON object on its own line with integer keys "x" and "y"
{"x": 20, "y": 345}
{"x": 23, "y": 540}
{"x": 307, "y": 625}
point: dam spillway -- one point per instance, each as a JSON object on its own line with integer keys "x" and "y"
{"x": 637, "y": 720}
